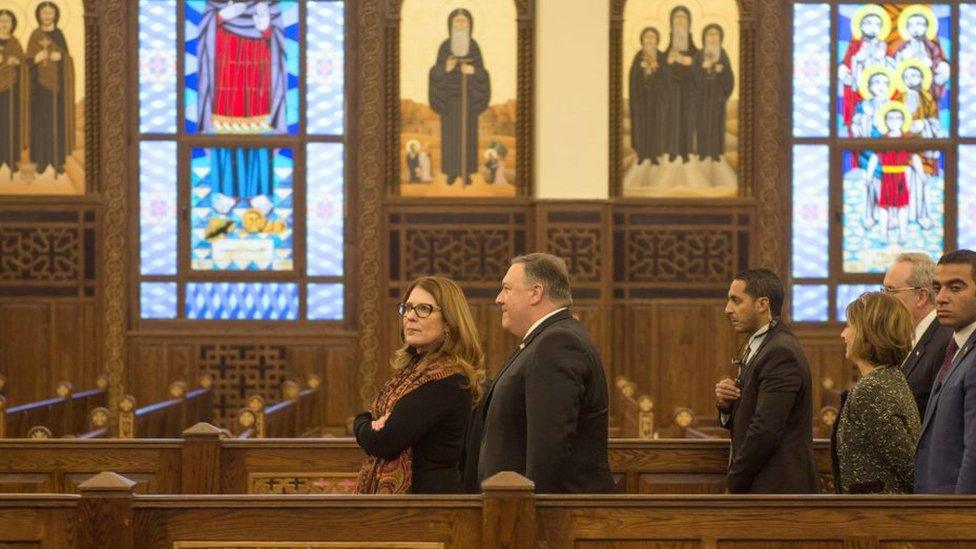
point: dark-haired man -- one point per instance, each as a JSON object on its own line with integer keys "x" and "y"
{"x": 946, "y": 459}
{"x": 769, "y": 406}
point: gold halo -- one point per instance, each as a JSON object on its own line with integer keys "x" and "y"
{"x": 865, "y": 79}
{"x": 879, "y": 117}
{"x": 913, "y": 63}
{"x": 924, "y": 11}
{"x": 871, "y": 9}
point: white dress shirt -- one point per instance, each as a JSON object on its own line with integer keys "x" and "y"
{"x": 540, "y": 321}
{"x": 962, "y": 336}
{"x": 922, "y": 326}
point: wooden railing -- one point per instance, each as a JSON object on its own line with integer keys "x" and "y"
{"x": 109, "y": 513}
{"x": 64, "y": 415}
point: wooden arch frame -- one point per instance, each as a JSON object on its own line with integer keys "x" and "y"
{"x": 525, "y": 90}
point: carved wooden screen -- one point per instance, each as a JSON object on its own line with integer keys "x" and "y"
{"x": 241, "y": 160}
{"x": 884, "y": 125}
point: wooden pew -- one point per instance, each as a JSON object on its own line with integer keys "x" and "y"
{"x": 635, "y": 411}
{"x": 110, "y": 513}
{"x": 206, "y": 461}
{"x": 168, "y": 418}
{"x": 297, "y": 415}
{"x": 66, "y": 414}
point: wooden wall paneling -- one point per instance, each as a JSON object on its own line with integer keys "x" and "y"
{"x": 26, "y": 351}
{"x": 47, "y": 522}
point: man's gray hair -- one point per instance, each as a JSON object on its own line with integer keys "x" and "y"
{"x": 551, "y": 273}
{"x": 923, "y": 271}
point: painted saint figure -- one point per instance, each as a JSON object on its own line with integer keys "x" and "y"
{"x": 418, "y": 163}
{"x": 242, "y": 88}
{"x": 918, "y": 28}
{"x": 52, "y": 92}
{"x": 870, "y": 26}
{"x": 459, "y": 90}
{"x": 714, "y": 80}
{"x": 12, "y": 91}
{"x": 901, "y": 174}
{"x": 646, "y": 89}
{"x": 679, "y": 108}
{"x": 876, "y": 88}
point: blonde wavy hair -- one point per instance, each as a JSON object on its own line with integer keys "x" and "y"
{"x": 461, "y": 343}
{"x": 883, "y": 329}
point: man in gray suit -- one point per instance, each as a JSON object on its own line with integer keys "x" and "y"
{"x": 946, "y": 459}
{"x": 910, "y": 280}
{"x": 545, "y": 416}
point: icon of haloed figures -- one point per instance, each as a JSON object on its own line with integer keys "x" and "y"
{"x": 459, "y": 91}
{"x": 898, "y": 196}
{"x": 418, "y": 162}
{"x": 12, "y": 90}
{"x": 243, "y": 82}
{"x": 52, "y": 92}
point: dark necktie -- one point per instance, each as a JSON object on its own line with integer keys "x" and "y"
{"x": 951, "y": 349}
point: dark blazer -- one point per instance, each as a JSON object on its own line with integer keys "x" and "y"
{"x": 772, "y": 421}
{"x": 873, "y": 441}
{"x": 946, "y": 458}
{"x": 546, "y": 414}
{"x": 431, "y": 421}
{"x": 922, "y": 364}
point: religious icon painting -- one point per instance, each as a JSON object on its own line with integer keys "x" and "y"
{"x": 679, "y": 127}
{"x": 458, "y": 99}
{"x": 242, "y": 67}
{"x": 42, "y": 97}
{"x": 894, "y": 53}
{"x": 894, "y": 200}
{"x": 241, "y": 209}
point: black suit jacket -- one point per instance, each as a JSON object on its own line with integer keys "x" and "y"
{"x": 772, "y": 422}
{"x": 546, "y": 414}
{"x": 923, "y": 363}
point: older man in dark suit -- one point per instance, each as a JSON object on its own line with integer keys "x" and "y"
{"x": 945, "y": 462}
{"x": 769, "y": 407}
{"x": 546, "y": 414}
{"x": 910, "y": 280}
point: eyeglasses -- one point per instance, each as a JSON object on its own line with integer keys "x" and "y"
{"x": 423, "y": 310}
{"x": 889, "y": 290}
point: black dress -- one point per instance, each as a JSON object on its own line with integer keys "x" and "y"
{"x": 431, "y": 420}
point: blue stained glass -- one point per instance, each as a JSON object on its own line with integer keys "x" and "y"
{"x": 241, "y": 301}
{"x": 893, "y": 201}
{"x": 157, "y": 66}
{"x": 811, "y": 206}
{"x": 157, "y": 208}
{"x": 967, "y": 197}
{"x": 811, "y": 70}
{"x": 242, "y": 209}
{"x": 892, "y": 70}
{"x": 810, "y": 303}
{"x": 218, "y": 59}
{"x": 967, "y": 71}
{"x": 325, "y": 301}
{"x": 849, "y": 292}
{"x": 325, "y": 55}
{"x": 157, "y": 300}
{"x": 326, "y": 196}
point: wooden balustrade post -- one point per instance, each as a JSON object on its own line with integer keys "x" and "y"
{"x": 200, "y": 460}
{"x": 508, "y": 512}
{"x": 105, "y": 512}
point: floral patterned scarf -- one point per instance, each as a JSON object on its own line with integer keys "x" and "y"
{"x": 395, "y": 476}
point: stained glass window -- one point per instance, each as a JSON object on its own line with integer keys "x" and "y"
{"x": 883, "y": 177}
{"x": 242, "y": 173}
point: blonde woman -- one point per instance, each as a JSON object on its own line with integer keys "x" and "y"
{"x": 875, "y": 438}
{"x": 415, "y": 428}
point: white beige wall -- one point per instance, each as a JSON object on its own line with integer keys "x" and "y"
{"x": 571, "y": 99}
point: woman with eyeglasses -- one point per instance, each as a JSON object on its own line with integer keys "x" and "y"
{"x": 415, "y": 428}
{"x": 874, "y": 440}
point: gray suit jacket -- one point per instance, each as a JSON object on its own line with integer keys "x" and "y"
{"x": 946, "y": 458}
{"x": 546, "y": 414}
